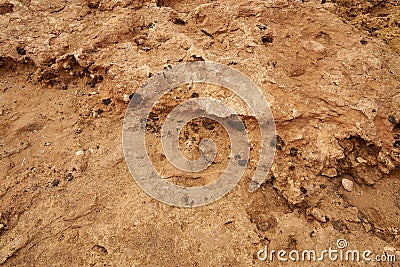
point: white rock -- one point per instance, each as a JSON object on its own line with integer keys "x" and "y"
{"x": 361, "y": 160}
{"x": 126, "y": 98}
{"x": 347, "y": 184}
{"x": 79, "y": 153}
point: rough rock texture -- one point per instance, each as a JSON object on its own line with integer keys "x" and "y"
{"x": 378, "y": 18}
{"x": 67, "y": 69}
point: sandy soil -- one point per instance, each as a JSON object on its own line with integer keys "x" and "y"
{"x": 330, "y": 72}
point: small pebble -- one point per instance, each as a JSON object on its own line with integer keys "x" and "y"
{"x": 79, "y": 153}
{"x": 238, "y": 125}
{"x": 347, "y": 184}
{"x": 55, "y": 183}
{"x": 69, "y": 177}
{"x": 361, "y": 160}
{"x": 267, "y": 39}
{"x": 136, "y": 98}
{"x": 392, "y": 119}
{"x": 242, "y": 162}
{"x": 21, "y": 51}
{"x": 47, "y": 144}
{"x": 106, "y": 101}
{"x": 1, "y": 226}
{"x": 126, "y": 98}
{"x": 318, "y": 214}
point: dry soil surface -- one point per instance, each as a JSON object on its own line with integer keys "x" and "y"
{"x": 330, "y": 72}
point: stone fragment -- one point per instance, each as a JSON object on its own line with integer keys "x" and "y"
{"x": 319, "y": 215}
{"x": 347, "y": 184}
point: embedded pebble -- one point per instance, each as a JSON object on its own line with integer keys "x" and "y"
{"x": 55, "y": 183}
{"x": 106, "y": 101}
{"x": 347, "y": 184}
{"x": 1, "y": 226}
{"x": 361, "y": 160}
{"x": 318, "y": 214}
{"x": 126, "y": 98}
{"x": 79, "y": 153}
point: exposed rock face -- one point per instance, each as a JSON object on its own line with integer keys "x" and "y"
{"x": 334, "y": 92}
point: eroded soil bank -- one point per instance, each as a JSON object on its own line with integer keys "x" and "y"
{"x": 330, "y": 72}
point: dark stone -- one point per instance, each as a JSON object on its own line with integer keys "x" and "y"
{"x": 21, "y": 51}
{"x": 136, "y": 98}
{"x": 238, "y": 125}
{"x": 392, "y": 119}
{"x": 69, "y": 177}
{"x": 267, "y": 39}
{"x": 106, "y": 101}
{"x": 179, "y": 21}
{"x": 206, "y": 33}
{"x": 242, "y": 162}
{"x": 55, "y": 183}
